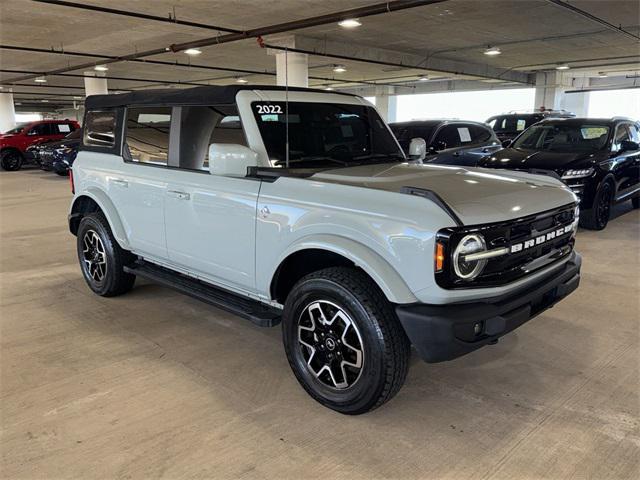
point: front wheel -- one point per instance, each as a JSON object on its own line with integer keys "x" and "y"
{"x": 11, "y": 161}
{"x": 343, "y": 340}
{"x": 598, "y": 216}
{"x": 101, "y": 258}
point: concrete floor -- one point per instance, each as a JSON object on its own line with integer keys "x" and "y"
{"x": 155, "y": 384}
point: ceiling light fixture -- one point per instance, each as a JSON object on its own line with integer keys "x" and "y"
{"x": 44, "y": 100}
{"x": 193, "y": 51}
{"x": 339, "y": 68}
{"x": 602, "y": 75}
{"x": 101, "y": 68}
{"x": 241, "y": 80}
{"x": 492, "y": 51}
{"x": 562, "y": 66}
{"x": 40, "y": 80}
{"x": 77, "y": 98}
{"x": 423, "y": 78}
{"x": 328, "y": 88}
{"x": 350, "y": 23}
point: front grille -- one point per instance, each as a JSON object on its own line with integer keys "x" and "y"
{"x": 516, "y": 235}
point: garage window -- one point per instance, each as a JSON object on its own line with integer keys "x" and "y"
{"x": 99, "y": 129}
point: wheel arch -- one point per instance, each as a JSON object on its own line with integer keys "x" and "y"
{"x": 324, "y": 251}
{"x": 93, "y": 200}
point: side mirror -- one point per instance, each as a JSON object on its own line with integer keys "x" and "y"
{"x": 417, "y": 149}
{"x": 231, "y": 159}
{"x": 629, "y": 146}
{"x": 506, "y": 143}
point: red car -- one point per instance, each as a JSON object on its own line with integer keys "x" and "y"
{"x": 14, "y": 143}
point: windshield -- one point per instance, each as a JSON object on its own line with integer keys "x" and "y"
{"x": 323, "y": 134}
{"x": 564, "y": 138}
{"x": 18, "y": 128}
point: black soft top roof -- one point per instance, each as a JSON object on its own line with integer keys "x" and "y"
{"x": 205, "y": 95}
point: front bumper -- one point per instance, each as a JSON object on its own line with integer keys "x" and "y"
{"x": 445, "y": 332}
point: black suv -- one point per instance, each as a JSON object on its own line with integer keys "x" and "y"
{"x": 454, "y": 142}
{"x": 599, "y": 159}
{"x": 59, "y": 156}
{"x": 509, "y": 125}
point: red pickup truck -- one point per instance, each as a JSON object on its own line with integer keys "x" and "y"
{"x": 14, "y": 143}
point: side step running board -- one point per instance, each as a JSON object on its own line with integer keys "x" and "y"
{"x": 260, "y": 314}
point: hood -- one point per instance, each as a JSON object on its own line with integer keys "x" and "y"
{"x": 513, "y": 158}
{"x": 476, "y": 195}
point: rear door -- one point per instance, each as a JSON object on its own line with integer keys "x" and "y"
{"x": 38, "y": 133}
{"x": 483, "y": 143}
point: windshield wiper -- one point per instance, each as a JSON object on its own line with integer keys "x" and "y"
{"x": 378, "y": 156}
{"x": 313, "y": 159}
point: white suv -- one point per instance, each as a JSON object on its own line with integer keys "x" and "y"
{"x": 299, "y": 206}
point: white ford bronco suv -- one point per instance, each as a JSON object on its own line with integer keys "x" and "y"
{"x": 298, "y": 206}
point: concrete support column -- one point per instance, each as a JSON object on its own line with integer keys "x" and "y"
{"x": 387, "y": 104}
{"x": 292, "y": 68}
{"x": 549, "y": 90}
{"x": 577, "y": 102}
{"x": 94, "y": 84}
{"x": 7, "y": 112}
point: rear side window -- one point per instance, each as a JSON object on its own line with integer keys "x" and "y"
{"x": 451, "y": 136}
{"x": 480, "y": 134}
{"x": 99, "y": 129}
{"x": 147, "y": 135}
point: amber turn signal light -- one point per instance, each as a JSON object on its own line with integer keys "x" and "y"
{"x": 439, "y": 257}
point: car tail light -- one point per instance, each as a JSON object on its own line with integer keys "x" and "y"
{"x": 73, "y": 187}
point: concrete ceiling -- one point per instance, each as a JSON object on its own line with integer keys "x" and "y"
{"x": 445, "y": 40}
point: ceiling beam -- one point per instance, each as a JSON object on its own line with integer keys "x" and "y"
{"x": 370, "y": 10}
{"x": 143, "y": 16}
{"x": 593, "y": 18}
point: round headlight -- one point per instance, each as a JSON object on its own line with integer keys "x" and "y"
{"x": 469, "y": 269}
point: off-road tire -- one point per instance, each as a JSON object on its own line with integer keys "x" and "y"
{"x": 385, "y": 347}
{"x": 11, "y": 160}
{"x": 115, "y": 280}
{"x": 597, "y": 217}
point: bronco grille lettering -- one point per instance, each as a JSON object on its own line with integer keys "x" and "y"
{"x": 518, "y": 247}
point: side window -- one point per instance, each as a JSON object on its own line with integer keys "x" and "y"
{"x": 450, "y": 137}
{"x": 203, "y": 125}
{"x": 147, "y": 135}
{"x": 634, "y": 133}
{"x": 99, "y": 129}
{"x": 480, "y": 134}
{"x": 622, "y": 134}
{"x": 39, "y": 130}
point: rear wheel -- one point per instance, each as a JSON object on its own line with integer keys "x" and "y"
{"x": 598, "y": 216}
{"x": 101, "y": 258}
{"x": 343, "y": 340}
{"x": 11, "y": 160}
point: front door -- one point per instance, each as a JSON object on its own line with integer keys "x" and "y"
{"x": 210, "y": 226}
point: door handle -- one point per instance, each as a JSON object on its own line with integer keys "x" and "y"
{"x": 119, "y": 182}
{"x": 179, "y": 195}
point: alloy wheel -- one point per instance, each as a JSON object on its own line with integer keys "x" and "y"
{"x": 94, "y": 256}
{"x": 331, "y": 344}
{"x": 604, "y": 205}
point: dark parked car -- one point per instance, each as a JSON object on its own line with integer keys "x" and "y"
{"x": 509, "y": 125}
{"x": 59, "y": 156}
{"x": 455, "y": 142}
{"x": 599, "y": 159}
